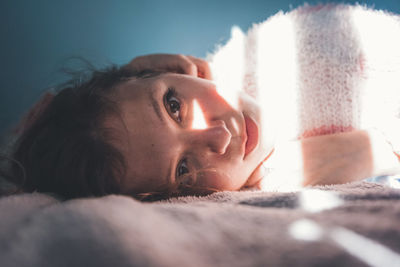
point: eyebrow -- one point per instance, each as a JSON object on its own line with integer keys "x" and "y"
{"x": 157, "y": 109}
{"x": 156, "y": 105}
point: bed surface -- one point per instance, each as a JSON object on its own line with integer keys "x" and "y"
{"x": 355, "y": 224}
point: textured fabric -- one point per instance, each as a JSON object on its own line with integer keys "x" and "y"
{"x": 318, "y": 70}
{"x": 344, "y": 225}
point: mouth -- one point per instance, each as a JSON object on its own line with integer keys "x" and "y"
{"x": 252, "y": 135}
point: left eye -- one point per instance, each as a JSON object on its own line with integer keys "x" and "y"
{"x": 182, "y": 168}
{"x": 173, "y": 105}
{"x": 182, "y": 174}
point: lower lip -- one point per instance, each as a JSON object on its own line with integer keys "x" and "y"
{"x": 252, "y": 135}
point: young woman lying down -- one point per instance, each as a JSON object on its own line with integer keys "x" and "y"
{"x": 316, "y": 90}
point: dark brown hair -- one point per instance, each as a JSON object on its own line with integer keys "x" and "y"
{"x": 65, "y": 148}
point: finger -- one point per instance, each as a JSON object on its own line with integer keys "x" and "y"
{"x": 186, "y": 65}
{"x": 203, "y": 68}
{"x": 156, "y": 62}
{"x": 254, "y": 181}
{"x": 139, "y": 63}
{"x": 164, "y": 62}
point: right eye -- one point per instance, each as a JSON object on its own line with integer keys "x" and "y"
{"x": 173, "y": 104}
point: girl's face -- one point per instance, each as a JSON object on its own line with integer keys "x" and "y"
{"x": 177, "y": 131}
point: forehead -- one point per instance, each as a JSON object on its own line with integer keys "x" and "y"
{"x": 136, "y": 87}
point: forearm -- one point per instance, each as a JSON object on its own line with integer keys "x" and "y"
{"x": 347, "y": 157}
{"x": 329, "y": 159}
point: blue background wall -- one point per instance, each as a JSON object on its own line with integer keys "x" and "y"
{"x": 38, "y": 36}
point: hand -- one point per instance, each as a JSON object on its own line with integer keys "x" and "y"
{"x": 173, "y": 63}
{"x": 256, "y": 177}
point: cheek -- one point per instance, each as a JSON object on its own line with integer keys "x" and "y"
{"x": 217, "y": 179}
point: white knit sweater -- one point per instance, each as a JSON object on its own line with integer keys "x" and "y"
{"x": 318, "y": 70}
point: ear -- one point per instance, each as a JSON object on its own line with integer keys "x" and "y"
{"x": 33, "y": 113}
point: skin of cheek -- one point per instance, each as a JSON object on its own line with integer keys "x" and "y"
{"x": 213, "y": 180}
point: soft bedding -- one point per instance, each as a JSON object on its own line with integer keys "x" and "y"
{"x": 355, "y": 224}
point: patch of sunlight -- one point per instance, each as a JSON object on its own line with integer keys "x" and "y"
{"x": 306, "y": 230}
{"x": 384, "y": 160}
{"x": 235, "y": 125}
{"x": 227, "y": 65}
{"x": 382, "y": 71}
{"x": 199, "y": 121}
{"x": 365, "y": 249}
{"x": 284, "y": 168}
{"x": 277, "y": 77}
{"x": 314, "y": 200}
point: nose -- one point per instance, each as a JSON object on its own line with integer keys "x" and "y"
{"x": 216, "y": 137}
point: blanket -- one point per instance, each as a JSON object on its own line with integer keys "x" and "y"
{"x": 355, "y": 224}
{"x": 316, "y": 70}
